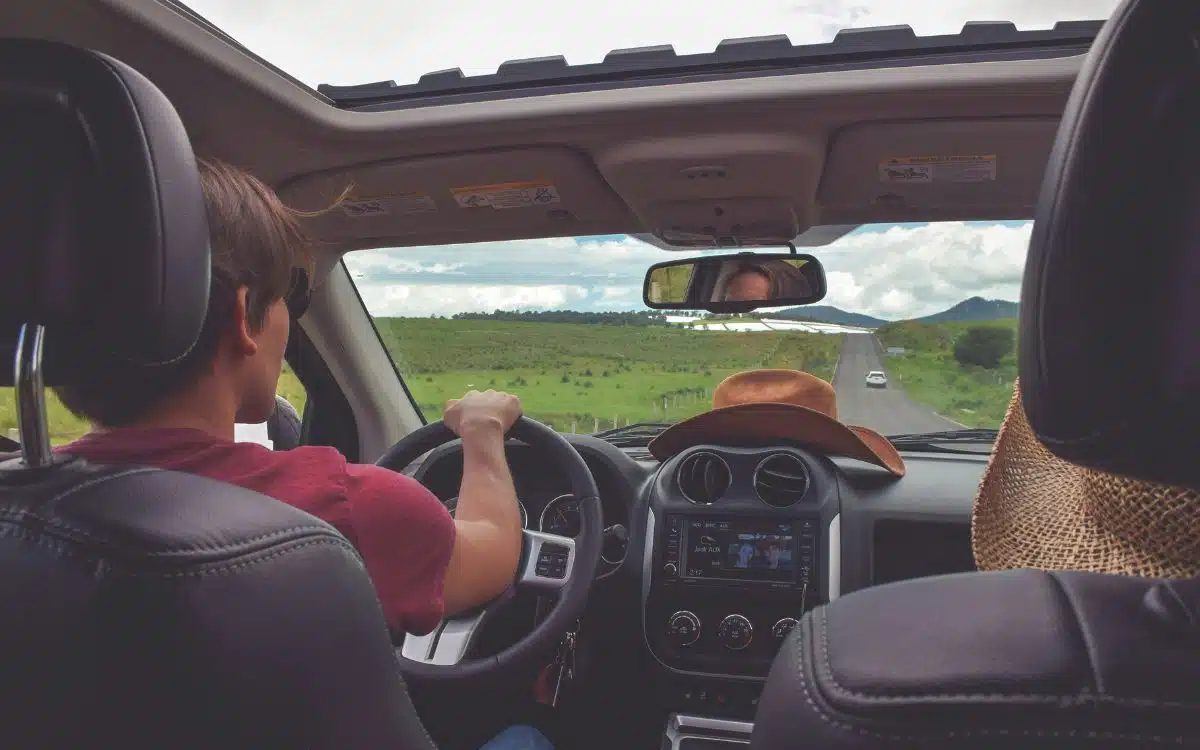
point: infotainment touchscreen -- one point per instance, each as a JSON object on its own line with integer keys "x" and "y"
{"x": 743, "y": 549}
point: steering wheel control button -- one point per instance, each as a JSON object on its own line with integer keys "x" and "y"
{"x": 552, "y": 561}
{"x": 683, "y": 628}
{"x": 735, "y": 632}
{"x": 783, "y": 627}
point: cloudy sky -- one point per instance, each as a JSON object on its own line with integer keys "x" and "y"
{"x": 892, "y": 272}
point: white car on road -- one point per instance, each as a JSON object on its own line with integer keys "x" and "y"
{"x": 876, "y": 379}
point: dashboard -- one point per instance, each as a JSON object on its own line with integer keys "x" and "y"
{"x": 712, "y": 556}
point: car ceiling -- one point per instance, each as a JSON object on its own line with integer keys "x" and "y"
{"x": 780, "y": 153}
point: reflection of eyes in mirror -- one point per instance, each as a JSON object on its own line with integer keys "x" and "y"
{"x": 750, "y": 285}
{"x": 762, "y": 281}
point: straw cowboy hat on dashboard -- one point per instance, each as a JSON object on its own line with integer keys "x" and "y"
{"x": 778, "y": 405}
{"x": 1036, "y": 510}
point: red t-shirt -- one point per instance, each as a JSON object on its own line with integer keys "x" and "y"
{"x": 403, "y": 532}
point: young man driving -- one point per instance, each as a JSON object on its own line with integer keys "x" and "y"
{"x": 424, "y": 564}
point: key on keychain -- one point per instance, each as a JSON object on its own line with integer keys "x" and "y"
{"x": 566, "y": 664}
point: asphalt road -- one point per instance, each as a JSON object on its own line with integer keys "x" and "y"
{"x": 885, "y": 410}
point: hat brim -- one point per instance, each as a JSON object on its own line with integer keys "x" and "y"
{"x": 757, "y": 423}
{"x": 1036, "y": 510}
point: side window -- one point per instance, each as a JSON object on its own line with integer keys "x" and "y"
{"x": 281, "y": 432}
{"x": 64, "y": 426}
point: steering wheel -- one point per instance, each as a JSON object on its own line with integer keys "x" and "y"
{"x": 550, "y": 565}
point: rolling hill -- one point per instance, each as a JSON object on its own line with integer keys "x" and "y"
{"x": 974, "y": 309}
{"x": 969, "y": 310}
{"x": 827, "y": 314}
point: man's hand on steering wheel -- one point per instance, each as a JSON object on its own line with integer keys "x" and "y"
{"x": 476, "y": 410}
{"x": 552, "y": 565}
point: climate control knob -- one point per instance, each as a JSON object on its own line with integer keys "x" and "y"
{"x": 735, "y": 632}
{"x": 784, "y": 626}
{"x": 683, "y": 628}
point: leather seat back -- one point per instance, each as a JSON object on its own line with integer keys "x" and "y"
{"x": 146, "y": 608}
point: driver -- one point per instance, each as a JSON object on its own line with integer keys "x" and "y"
{"x": 765, "y": 281}
{"x": 425, "y": 565}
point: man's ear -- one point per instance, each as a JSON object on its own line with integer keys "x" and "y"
{"x": 240, "y": 329}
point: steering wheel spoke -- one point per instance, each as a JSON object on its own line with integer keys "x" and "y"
{"x": 449, "y": 643}
{"x": 548, "y": 561}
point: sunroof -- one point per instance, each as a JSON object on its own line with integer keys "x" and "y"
{"x": 360, "y": 41}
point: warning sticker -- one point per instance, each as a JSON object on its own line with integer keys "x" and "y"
{"x": 930, "y": 169}
{"x": 360, "y": 207}
{"x": 507, "y": 195}
{"x": 403, "y": 203}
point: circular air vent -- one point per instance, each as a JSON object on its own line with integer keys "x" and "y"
{"x": 703, "y": 478}
{"x": 781, "y": 480}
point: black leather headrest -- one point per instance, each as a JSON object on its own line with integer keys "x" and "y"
{"x": 1110, "y": 305}
{"x": 103, "y": 233}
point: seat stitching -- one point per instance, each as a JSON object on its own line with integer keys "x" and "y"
{"x": 952, "y": 734}
{"x": 1047, "y": 698}
{"x": 216, "y": 568}
{"x": 18, "y": 515}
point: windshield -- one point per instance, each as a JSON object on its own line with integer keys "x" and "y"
{"x": 560, "y": 323}
{"x": 359, "y": 41}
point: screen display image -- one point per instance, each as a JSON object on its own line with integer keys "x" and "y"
{"x": 740, "y": 549}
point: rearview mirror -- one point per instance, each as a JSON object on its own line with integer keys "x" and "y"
{"x": 734, "y": 283}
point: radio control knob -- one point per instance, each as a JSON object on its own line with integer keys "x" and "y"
{"x": 683, "y": 628}
{"x": 784, "y": 626}
{"x": 735, "y": 632}
{"x": 670, "y": 569}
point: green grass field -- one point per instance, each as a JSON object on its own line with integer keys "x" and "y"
{"x": 570, "y": 375}
{"x": 931, "y": 376}
{"x": 580, "y": 375}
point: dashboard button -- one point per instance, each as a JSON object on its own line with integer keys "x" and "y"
{"x": 552, "y": 561}
{"x": 683, "y": 628}
{"x": 735, "y": 632}
{"x": 670, "y": 569}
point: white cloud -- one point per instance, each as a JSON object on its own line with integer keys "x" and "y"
{"x": 890, "y": 272}
{"x": 905, "y": 271}
{"x": 359, "y": 41}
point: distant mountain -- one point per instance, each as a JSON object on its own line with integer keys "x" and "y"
{"x": 975, "y": 308}
{"x": 826, "y": 314}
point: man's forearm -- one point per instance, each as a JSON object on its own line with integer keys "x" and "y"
{"x": 487, "y": 493}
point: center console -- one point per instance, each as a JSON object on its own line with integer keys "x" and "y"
{"x": 726, "y": 589}
{"x": 731, "y": 564}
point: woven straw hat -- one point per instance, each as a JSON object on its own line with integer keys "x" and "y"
{"x": 1035, "y": 510}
